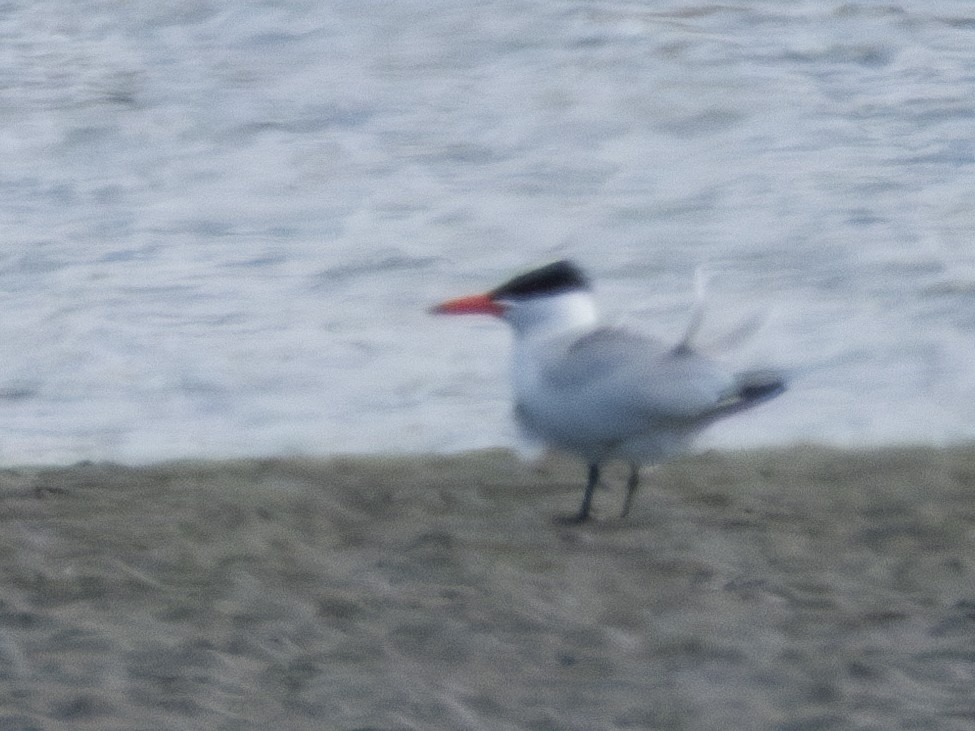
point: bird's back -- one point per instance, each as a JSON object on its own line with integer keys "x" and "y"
{"x": 609, "y": 390}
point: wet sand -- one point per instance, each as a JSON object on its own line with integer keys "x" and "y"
{"x": 803, "y": 588}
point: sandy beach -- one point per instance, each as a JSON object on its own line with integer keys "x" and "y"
{"x": 800, "y": 588}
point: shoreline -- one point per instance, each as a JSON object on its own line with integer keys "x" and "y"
{"x": 773, "y": 588}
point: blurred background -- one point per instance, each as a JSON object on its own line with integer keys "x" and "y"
{"x": 222, "y": 223}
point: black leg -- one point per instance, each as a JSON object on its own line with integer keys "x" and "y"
{"x": 631, "y": 485}
{"x": 583, "y": 515}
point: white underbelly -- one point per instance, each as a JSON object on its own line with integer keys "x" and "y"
{"x": 596, "y": 437}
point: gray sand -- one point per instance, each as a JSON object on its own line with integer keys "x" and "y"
{"x": 797, "y": 589}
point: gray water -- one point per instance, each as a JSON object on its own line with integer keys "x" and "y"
{"x": 222, "y": 223}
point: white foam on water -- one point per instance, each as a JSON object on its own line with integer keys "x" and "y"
{"x": 222, "y": 224}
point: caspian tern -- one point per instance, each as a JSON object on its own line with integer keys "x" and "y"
{"x": 602, "y": 393}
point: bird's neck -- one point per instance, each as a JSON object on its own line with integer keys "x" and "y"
{"x": 554, "y": 315}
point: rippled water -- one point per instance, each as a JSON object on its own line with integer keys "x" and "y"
{"x": 223, "y": 222}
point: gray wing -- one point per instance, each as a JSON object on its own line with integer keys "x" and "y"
{"x": 638, "y": 380}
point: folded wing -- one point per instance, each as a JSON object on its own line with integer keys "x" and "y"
{"x": 627, "y": 383}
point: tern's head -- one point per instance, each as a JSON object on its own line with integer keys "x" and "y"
{"x": 551, "y": 298}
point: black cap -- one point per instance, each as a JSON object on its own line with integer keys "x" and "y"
{"x": 555, "y": 278}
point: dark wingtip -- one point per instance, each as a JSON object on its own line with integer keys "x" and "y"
{"x": 757, "y": 386}
{"x": 753, "y": 388}
{"x": 762, "y": 391}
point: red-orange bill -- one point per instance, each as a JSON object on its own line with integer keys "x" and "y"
{"x": 474, "y": 304}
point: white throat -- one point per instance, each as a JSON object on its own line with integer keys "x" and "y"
{"x": 548, "y": 315}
